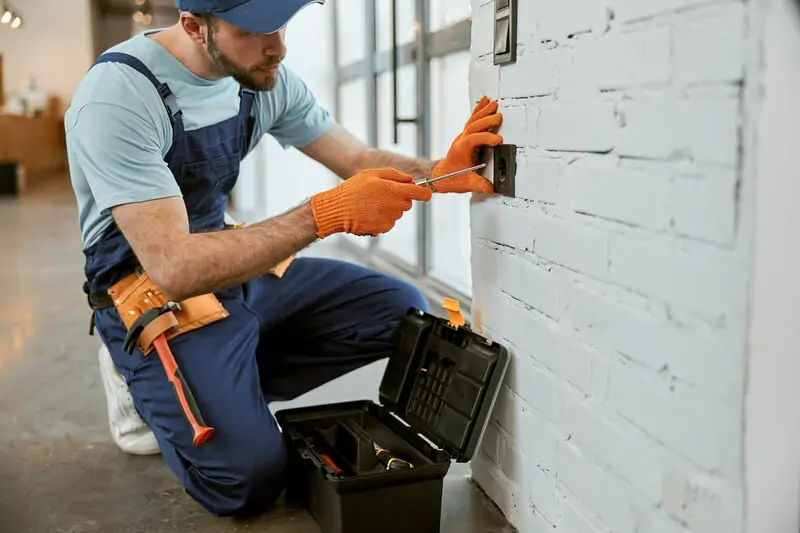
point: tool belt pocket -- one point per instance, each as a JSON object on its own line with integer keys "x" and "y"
{"x": 135, "y": 295}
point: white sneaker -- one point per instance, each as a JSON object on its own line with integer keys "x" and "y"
{"x": 128, "y": 429}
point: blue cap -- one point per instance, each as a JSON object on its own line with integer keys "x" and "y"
{"x": 255, "y": 16}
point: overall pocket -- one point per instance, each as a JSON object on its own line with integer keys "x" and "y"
{"x": 206, "y": 184}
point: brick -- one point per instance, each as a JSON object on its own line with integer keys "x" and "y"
{"x": 533, "y": 74}
{"x": 702, "y": 429}
{"x": 618, "y": 446}
{"x": 495, "y": 221}
{"x": 484, "y": 79}
{"x": 703, "y": 130}
{"x": 495, "y": 313}
{"x": 485, "y": 267}
{"x": 599, "y": 376}
{"x": 491, "y": 443}
{"x": 576, "y": 362}
{"x": 534, "y": 114}
{"x": 488, "y": 476}
{"x": 656, "y": 521}
{"x": 705, "y": 503}
{"x": 709, "y": 47}
{"x": 700, "y": 284}
{"x": 575, "y": 520}
{"x": 705, "y": 207}
{"x": 515, "y": 123}
{"x": 537, "y": 338}
{"x": 518, "y": 420}
{"x": 531, "y": 284}
{"x": 590, "y": 127}
{"x": 603, "y": 494}
{"x": 537, "y": 386}
{"x": 535, "y": 486}
{"x": 571, "y": 245}
{"x": 482, "y": 38}
{"x": 632, "y": 10}
{"x": 711, "y": 362}
{"x": 538, "y": 179}
{"x": 631, "y": 196}
{"x": 559, "y": 19}
{"x": 631, "y": 59}
{"x": 517, "y": 507}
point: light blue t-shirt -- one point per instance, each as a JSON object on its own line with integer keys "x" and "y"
{"x": 118, "y": 131}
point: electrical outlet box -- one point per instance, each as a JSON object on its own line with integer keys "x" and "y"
{"x": 505, "y": 31}
{"x": 504, "y": 169}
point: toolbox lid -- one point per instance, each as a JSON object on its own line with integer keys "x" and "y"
{"x": 442, "y": 380}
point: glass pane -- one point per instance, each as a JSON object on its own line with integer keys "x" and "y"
{"x": 353, "y": 107}
{"x": 445, "y": 13}
{"x": 406, "y": 108}
{"x": 406, "y": 23}
{"x": 401, "y": 241}
{"x": 353, "y": 116}
{"x": 351, "y": 21}
{"x": 449, "y": 247}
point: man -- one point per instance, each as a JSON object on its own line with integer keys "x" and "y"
{"x": 155, "y": 135}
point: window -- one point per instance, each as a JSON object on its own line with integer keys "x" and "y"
{"x": 430, "y": 79}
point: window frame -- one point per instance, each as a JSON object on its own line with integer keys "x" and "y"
{"x": 428, "y": 45}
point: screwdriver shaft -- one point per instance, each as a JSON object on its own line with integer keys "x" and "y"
{"x": 456, "y": 173}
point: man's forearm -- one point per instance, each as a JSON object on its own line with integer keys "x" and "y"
{"x": 208, "y": 262}
{"x": 417, "y": 168}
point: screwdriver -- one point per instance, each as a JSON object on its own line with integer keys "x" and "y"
{"x": 427, "y": 181}
{"x": 389, "y": 460}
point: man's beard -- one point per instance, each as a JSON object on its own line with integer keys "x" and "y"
{"x": 244, "y": 77}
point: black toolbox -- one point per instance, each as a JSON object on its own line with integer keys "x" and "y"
{"x": 440, "y": 383}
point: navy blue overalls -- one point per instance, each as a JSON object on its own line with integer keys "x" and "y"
{"x": 284, "y": 337}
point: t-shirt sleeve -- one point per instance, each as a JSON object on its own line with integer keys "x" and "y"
{"x": 120, "y": 154}
{"x": 301, "y": 120}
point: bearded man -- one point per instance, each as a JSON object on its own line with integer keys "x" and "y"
{"x": 155, "y": 135}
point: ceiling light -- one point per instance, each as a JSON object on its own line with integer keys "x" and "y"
{"x": 6, "y": 17}
{"x": 16, "y": 23}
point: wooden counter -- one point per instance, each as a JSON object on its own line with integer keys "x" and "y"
{"x": 37, "y": 144}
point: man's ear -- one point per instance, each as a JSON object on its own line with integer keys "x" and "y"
{"x": 195, "y": 27}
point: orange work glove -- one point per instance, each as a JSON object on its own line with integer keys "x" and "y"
{"x": 369, "y": 203}
{"x": 463, "y": 152}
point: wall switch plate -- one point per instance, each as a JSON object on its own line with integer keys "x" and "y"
{"x": 504, "y": 169}
{"x": 505, "y": 31}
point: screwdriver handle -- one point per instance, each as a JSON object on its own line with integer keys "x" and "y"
{"x": 390, "y": 462}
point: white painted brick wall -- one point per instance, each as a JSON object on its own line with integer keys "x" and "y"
{"x": 618, "y": 276}
{"x": 701, "y": 130}
{"x": 578, "y": 127}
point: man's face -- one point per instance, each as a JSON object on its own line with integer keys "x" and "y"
{"x": 252, "y": 60}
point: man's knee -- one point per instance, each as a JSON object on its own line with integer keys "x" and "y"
{"x": 404, "y": 295}
{"x": 245, "y": 482}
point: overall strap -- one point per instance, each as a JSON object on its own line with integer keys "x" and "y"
{"x": 170, "y": 102}
{"x": 247, "y": 97}
{"x": 246, "y": 100}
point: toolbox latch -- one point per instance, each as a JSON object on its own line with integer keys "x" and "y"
{"x": 453, "y": 308}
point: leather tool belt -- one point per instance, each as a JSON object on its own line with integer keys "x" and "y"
{"x": 136, "y": 294}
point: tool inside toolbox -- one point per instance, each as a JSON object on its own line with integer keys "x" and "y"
{"x": 345, "y": 443}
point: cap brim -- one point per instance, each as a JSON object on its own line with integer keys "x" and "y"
{"x": 257, "y": 16}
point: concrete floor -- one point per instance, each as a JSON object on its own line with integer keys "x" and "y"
{"x": 59, "y": 469}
